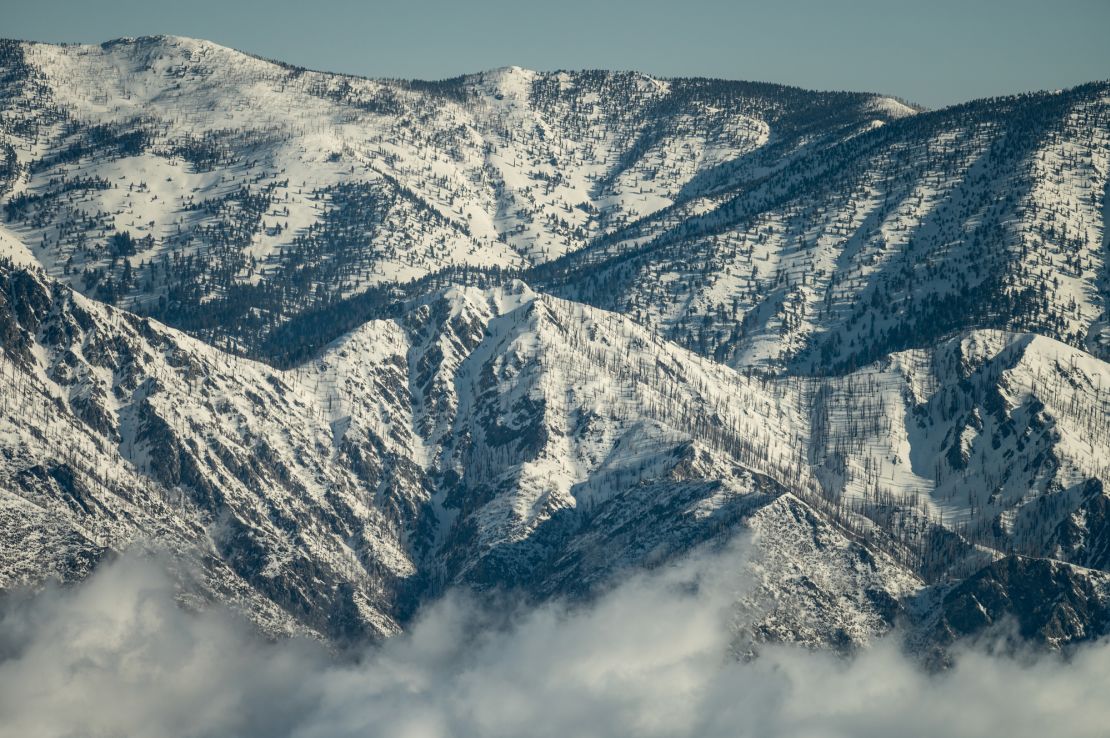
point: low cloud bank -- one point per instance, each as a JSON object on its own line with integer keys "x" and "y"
{"x": 116, "y": 657}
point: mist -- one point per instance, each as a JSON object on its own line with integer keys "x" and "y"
{"x": 116, "y": 656}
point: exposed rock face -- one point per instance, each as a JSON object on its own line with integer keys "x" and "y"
{"x": 1051, "y": 603}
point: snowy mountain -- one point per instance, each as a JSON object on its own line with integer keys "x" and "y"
{"x": 332, "y": 345}
{"x": 209, "y": 188}
{"x": 990, "y": 214}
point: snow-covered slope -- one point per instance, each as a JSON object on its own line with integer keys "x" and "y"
{"x": 534, "y": 330}
{"x": 248, "y": 190}
{"x": 409, "y": 456}
{"x": 989, "y": 214}
{"x": 505, "y": 438}
{"x": 755, "y": 224}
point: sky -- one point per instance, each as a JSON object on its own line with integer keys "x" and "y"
{"x": 932, "y": 52}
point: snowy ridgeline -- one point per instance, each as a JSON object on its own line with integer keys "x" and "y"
{"x": 206, "y": 187}
{"x": 503, "y": 437}
{"x": 538, "y": 329}
{"x": 754, "y": 224}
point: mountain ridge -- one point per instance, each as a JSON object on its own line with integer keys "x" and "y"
{"x": 494, "y": 510}
{"x": 336, "y": 345}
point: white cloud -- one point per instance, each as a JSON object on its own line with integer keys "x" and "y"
{"x": 116, "y": 657}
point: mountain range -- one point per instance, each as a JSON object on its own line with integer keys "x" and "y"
{"x": 333, "y": 345}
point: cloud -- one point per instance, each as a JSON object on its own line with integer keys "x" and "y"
{"x": 117, "y": 657}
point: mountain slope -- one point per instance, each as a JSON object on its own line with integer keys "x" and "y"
{"x": 503, "y": 438}
{"x": 988, "y": 214}
{"x": 242, "y": 191}
{"x": 338, "y": 491}
{"x": 533, "y": 331}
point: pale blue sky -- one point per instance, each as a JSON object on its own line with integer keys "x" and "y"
{"x": 933, "y": 52}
